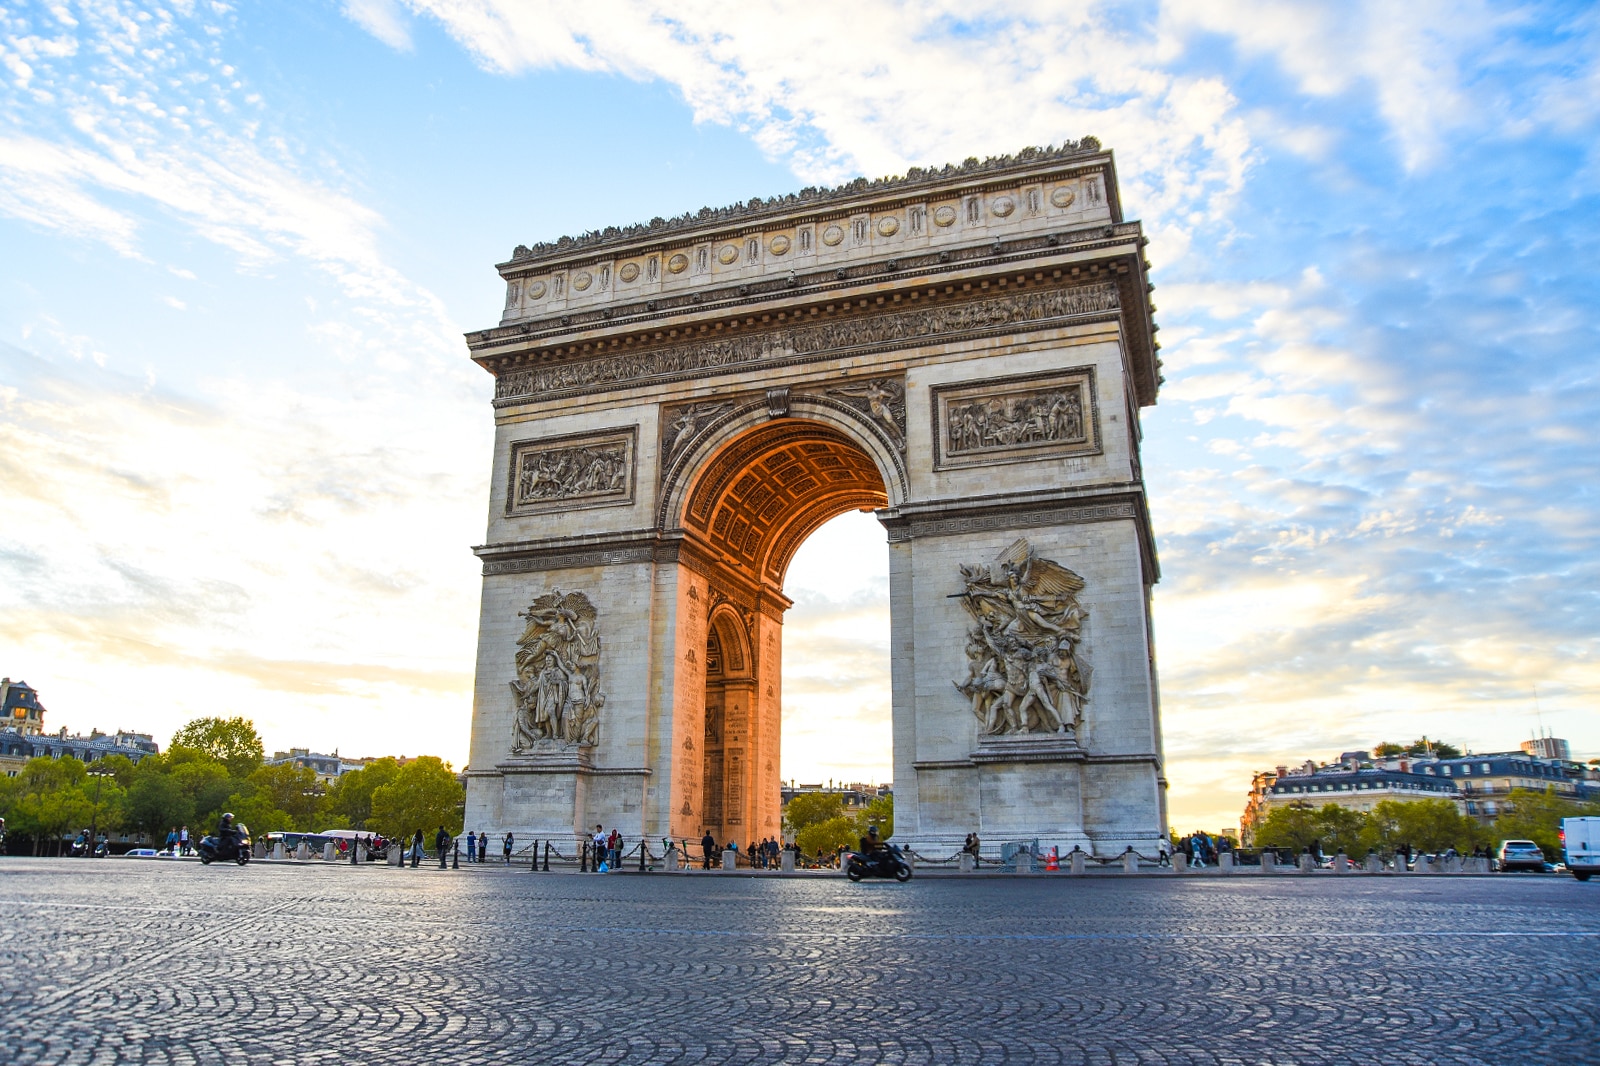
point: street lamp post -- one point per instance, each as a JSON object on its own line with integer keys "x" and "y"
{"x": 99, "y": 773}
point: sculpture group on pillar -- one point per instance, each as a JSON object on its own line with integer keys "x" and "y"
{"x": 557, "y": 689}
{"x": 1026, "y": 672}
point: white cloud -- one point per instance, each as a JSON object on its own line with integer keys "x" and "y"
{"x": 381, "y": 18}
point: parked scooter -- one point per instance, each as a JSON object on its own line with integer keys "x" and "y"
{"x": 236, "y": 847}
{"x": 887, "y": 861}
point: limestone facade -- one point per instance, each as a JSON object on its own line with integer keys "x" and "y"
{"x": 678, "y": 405}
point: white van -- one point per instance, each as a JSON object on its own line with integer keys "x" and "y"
{"x": 1580, "y": 838}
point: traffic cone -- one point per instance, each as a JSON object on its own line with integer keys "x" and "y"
{"x": 1052, "y": 864}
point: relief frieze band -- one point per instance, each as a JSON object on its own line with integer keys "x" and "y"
{"x": 578, "y": 470}
{"x": 1014, "y": 419}
{"x": 801, "y": 343}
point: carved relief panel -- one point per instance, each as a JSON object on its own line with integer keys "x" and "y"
{"x": 578, "y": 470}
{"x": 1014, "y": 419}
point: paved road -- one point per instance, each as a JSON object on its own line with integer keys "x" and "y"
{"x": 134, "y": 961}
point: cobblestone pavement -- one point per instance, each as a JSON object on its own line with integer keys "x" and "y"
{"x": 134, "y": 961}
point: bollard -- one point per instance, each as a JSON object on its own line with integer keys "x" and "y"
{"x": 1225, "y": 862}
{"x": 1078, "y": 862}
{"x": 1423, "y": 865}
{"x": 533, "y": 857}
{"x": 1452, "y": 864}
{"x": 355, "y": 852}
{"x": 644, "y": 851}
{"x": 1180, "y": 863}
{"x": 327, "y": 851}
{"x": 1341, "y": 863}
{"x": 546, "y": 857}
{"x": 1374, "y": 863}
{"x": 583, "y": 857}
{"x": 968, "y": 863}
{"x": 786, "y": 861}
{"x": 1269, "y": 861}
{"x": 303, "y": 852}
{"x": 1307, "y": 864}
{"x": 277, "y": 850}
{"x": 1130, "y": 862}
{"x": 455, "y": 855}
{"x": 730, "y": 859}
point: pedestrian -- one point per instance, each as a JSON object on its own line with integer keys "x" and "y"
{"x": 505, "y": 848}
{"x": 708, "y": 844}
{"x": 183, "y": 840}
{"x": 472, "y": 846}
{"x": 1163, "y": 857}
{"x": 614, "y": 848}
{"x": 172, "y": 841}
{"x": 416, "y": 850}
{"x": 483, "y": 846}
{"x": 598, "y": 846}
{"x": 441, "y": 841}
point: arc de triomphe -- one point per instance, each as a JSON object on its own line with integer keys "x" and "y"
{"x": 678, "y": 405}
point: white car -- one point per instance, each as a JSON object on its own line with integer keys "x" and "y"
{"x": 1580, "y": 839}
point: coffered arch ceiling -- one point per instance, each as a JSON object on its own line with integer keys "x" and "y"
{"x": 758, "y": 498}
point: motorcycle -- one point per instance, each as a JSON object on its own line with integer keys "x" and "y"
{"x": 887, "y": 861}
{"x": 236, "y": 847}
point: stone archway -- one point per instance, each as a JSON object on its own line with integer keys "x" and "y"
{"x": 964, "y": 352}
{"x": 757, "y": 492}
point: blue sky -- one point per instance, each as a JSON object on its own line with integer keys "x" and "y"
{"x": 243, "y": 453}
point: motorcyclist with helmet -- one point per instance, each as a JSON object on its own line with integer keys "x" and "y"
{"x": 227, "y": 837}
{"x": 872, "y": 849}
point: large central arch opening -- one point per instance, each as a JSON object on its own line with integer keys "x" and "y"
{"x": 755, "y": 502}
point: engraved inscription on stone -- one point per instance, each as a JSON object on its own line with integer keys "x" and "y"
{"x": 1012, "y": 419}
{"x": 1025, "y": 667}
{"x": 586, "y": 471}
{"x": 557, "y": 689}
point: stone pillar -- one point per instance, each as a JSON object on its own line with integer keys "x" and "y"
{"x": 1423, "y": 865}
{"x": 1452, "y": 864}
{"x": 328, "y": 852}
{"x": 1225, "y": 862}
{"x": 393, "y": 855}
{"x": 1374, "y": 863}
{"x": 1079, "y": 863}
{"x": 730, "y": 859}
{"x": 786, "y": 861}
{"x": 1130, "y": 862}
{"x": 303, "y": 851}
{"x": 1341, "y": 863}
{"x": 1307, "y": 864}
{"x": 277, "y": 850}
{"x": 1180, "y": 863}
{"x": 968, "y": 863}
{"x": 1269, "y": 861}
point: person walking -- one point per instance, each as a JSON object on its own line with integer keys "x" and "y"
{"x": 441, "y": 842}
{"x": 472, "y": 847}
{"x": 172, "y": 841}
{"x": 416, "y": 850}
{"x": 483, "y": 846}
{"x": 614, "y": 848}
{"x": 183, "y": 840}
{"x": 505, "y": 848}
{"x": 597, "y": 847}
{"x": 708, "y": 844}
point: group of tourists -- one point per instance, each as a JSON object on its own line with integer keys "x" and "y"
{"x": 178, "y": 841}
{"x": 1200, "y": 848}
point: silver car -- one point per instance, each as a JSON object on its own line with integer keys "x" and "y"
{"x": 1521, "y": 855}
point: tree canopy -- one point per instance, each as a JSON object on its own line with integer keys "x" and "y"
{"x": 230, "y": 741}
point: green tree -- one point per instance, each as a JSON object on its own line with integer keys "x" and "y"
{"x": 156, "y": 802}
{"x": 834, "y": 834}
{"x": 231, "y": 741}
{"x": 48, "y": 801}
{"x": 1536, "y": 816}
{"x": 1426, "y": 825}
{"x": 292, "y": 789}
{"x": 351, "y": 797}
{"x": 1294, "y": 826}
{"x": 811, "y": 808}
{"x": 423, "y": 795}
{"x": 206, "y": 784}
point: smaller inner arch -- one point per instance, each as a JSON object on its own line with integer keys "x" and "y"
{"x": 765, "y": 492}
